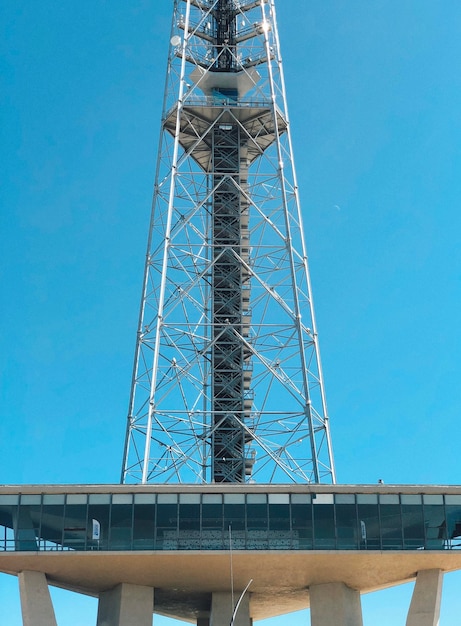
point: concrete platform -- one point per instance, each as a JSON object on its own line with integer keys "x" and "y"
{"x": 183, "y": 582}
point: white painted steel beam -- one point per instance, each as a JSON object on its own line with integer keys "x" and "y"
{"x": 227, "y": 383}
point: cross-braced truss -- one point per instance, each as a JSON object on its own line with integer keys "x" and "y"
{"x": 227, "y": 383}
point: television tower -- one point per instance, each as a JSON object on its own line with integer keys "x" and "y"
{"x": 227, "y": 382}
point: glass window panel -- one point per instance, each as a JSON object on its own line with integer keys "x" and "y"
{"x": 121, "y": 524}
{"x": 347, "y": 528}
{"x": 410, "y": 499}
{"x": 6, "y": 514}
{"x": 234, "y": 515}
{"x": 167, "y": 498}
{"x": 324, "y": 527}
{"x": 76, "y": 498}
{"x": 53, "y": 498}
{"x": 279, "y": 498}
{"x": 369, "y": 527}
{"x": 99, "y": 498}
{"x": 28, "y": 527}
{"x": 167, "y": 527}
{"x": 367, "y": 498}
{"x": 7, "y": 539}
{"x": 450, "y": 499}
{"x": 214, "y": 539}
{"x": 279, "y": 517}
{"x": 144, "y": 498}
{"x": 120, "y": 538}
{"x": 212, "y": 498}
{"x": 234, "y": 498}
{"x": 189, "y": 517}
{"x": 432, "y": 498}
{"x": 413, "y": 526}
{"x": 31, "y": 499}
{"x": 189, "y": 498}
{"x": 232, "y": 538}
{"x": 144, "y": 525}
{"x": 301, "y": 498}
{"x": 257, "y": 522}
{"x": 212, "y": 527}
{"x": 52, "y": 524}
{"x": 345, "y": 498}
{"x": 212, "y": 516}
{"x": 234, "y": 535}
{"x": 256, "y": 498}
{"x": 301, "y": 515}
{"x": 9, "y": 499}
{"x": 121, "y": 513}
{"x": 391, "y": 526}
{"x": 122, "y": 498}
{"x": 435, "y": 526}
{"x": 301, "y": 521}
{"x": 98, "y": 525}
{"x": 75, "y": 526}
{"x": 167, "y": 516}
{"x": 323, "y": 498}
{"x": 389, "y": 498}
{"x": 453, "y": 514}
{"x": 257, "y": 516}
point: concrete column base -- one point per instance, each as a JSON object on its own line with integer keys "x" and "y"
{"x": 425, "y": 602}
{"x": 37, "y": 608}
{"x": 335, "y": 604}
{"x": 126, "y": 605}
{"x": 222, "y": 609}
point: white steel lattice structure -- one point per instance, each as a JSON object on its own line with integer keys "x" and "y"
{"x": 227, "y": 383}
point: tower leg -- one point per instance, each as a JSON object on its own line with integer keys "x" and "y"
{"x": 425, "y": 602}
{"x": 36, "y": 605}
{"x": 125, "y": 605}
{"x": 221, "y": 609}
{"x": 335, "y": 604}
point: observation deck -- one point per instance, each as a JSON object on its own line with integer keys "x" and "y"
{"x": 181, "y": 539}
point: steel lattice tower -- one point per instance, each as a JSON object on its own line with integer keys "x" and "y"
{"x": 227, "y": 383}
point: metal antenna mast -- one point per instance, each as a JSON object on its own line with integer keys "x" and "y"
{"x": 227, "y": 383}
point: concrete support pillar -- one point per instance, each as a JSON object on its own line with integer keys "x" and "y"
{"x": 126, "y": 605}
{"x": 425, "y": 602}
{"x": 335, "y": 604}
{"x": 36, "y": 605}
{"x": 222, "y": 609}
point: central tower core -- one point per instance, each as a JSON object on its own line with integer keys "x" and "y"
{"x": 227, "y": 383}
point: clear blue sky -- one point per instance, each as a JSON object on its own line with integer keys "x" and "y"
{"x": 374, "y": 91}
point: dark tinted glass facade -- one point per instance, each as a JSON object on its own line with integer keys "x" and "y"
{"x": 243, "y": 521}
